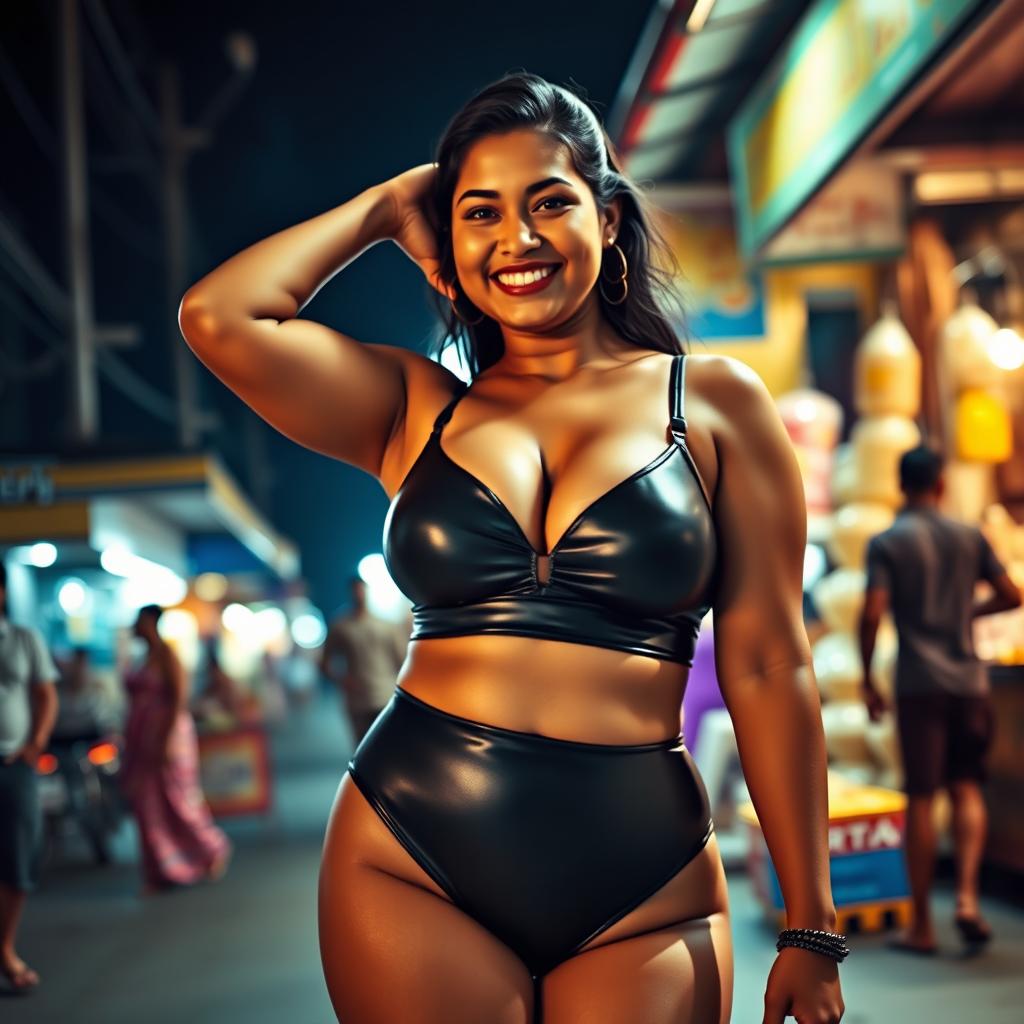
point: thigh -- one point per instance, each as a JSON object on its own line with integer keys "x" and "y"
{"x": 970, "y": 727}
{"x": 924, "y": 733}
{"x": 681, "y": 974}
{"x": 393, "y": 946}
{"x": 669, "y": 961}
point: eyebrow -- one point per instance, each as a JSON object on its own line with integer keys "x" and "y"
{"x": 537, "y": 186}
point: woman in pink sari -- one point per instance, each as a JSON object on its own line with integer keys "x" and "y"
{"x": 160, "y": 770}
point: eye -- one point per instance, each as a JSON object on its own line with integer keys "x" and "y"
{"x": 561, "y": 200}
{"x": 472, "y": 215}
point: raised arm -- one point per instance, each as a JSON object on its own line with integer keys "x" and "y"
{"x": 763, "y": 661}
{"x": 317, "y": 386}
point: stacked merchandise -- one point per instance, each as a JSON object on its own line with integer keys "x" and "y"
{"x": 866, "y": 494}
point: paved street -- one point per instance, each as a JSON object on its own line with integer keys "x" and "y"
{"x": 245, "y": 950}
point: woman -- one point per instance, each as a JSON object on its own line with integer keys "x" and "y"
{"x": 160, "y": 770}
{"x": 521, "y": 828}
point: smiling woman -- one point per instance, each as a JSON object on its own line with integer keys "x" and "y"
{"x": 522, "y": 835}
{"x": 516, "y": 115}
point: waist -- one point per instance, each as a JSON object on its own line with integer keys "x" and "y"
{"x": 670, "y": 637}
{"x": 564, "y": 690}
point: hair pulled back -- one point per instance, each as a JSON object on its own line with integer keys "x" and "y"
{"x": 525, "y": 101}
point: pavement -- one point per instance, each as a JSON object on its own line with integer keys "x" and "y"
{"x": 245, "y": 949}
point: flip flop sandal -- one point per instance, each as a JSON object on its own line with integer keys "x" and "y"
{"x": 973, "y": 930}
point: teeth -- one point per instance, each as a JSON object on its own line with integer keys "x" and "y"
{"x": 518, "y": 280}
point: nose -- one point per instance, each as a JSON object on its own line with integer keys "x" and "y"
{"x": 518, "y": 237}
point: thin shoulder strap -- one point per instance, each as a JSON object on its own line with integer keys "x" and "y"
{"x": 446, "y": 413}
{"x": 677, "y": 388}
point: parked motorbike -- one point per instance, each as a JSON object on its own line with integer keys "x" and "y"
{"x": 79, "y": 790}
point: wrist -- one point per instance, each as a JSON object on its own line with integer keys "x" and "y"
{"x": 821, "y": 920}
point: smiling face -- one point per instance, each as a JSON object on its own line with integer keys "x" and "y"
{"x": 527, "y": 233}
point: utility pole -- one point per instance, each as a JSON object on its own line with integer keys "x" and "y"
{"x": 84, "y": 425}
{"x": 175, "y": 147}
{"x": 179, "y": 141}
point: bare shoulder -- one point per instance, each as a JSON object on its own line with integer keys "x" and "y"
{"x": 429, "y": 387}
{"x": 730, "y": 386}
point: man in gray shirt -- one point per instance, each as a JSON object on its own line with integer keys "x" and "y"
{"x": 373, "y": 650}
{"x": 925, "y": 567}
{"x": 28, "y": 709}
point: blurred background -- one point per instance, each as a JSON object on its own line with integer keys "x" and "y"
{"x": 843, "y": 184}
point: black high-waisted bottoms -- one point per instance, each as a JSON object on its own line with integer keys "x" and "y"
{"x": 544, "y": 842}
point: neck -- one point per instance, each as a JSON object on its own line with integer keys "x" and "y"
{"x": 922, "y": 501}
{"x": 558, "y": 353}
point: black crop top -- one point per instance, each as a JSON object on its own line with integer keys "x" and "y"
{"x": 633, "y": 572}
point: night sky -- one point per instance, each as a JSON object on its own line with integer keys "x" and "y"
{"x": 344, "y": 95}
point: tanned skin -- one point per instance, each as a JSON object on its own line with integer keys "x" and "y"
{"x": 569, "y": 410}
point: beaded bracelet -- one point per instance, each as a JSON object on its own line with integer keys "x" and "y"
{"x": 830, "y": 944}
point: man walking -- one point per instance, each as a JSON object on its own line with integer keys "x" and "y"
{"x": 28, "y": 709}
{"x": 373, "y": 650}
{"x": 924, "y": 567}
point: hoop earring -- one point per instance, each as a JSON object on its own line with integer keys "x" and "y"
{"x": 468, "y": 323}
{"x": 620, "y": 280}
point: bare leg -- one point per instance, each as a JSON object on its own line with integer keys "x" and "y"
{"x": 970, "y": 823}
{"x": 393, "y": 947}
{"x": 920, "y": 854}
{"x": 12, "y": 903}
{"x": 676, "y": 975}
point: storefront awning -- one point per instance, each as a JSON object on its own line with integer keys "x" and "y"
{"x": 189, "y": 497}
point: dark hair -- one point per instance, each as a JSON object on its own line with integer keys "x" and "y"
{"x": 152, "y": 609}
{"x": 522, "y": 101}
{"x": 3, "y": 574}
{"x": 920, "y": 469}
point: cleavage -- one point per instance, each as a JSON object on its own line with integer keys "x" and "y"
{"x": 523, "y": 461}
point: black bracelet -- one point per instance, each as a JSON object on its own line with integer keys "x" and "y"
{"x": 830, "y": 944}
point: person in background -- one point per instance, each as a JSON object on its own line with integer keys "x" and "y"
{"x": 160, "y": 770}
{"x": 28, "y": 709}
{"x": 925, "y": 567}
{"x": 223, "y": 701}
{"x": 373, "y": 650}
{"x": 85, "y": 712}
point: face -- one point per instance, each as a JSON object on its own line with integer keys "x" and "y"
{"x": 520, "y": 207}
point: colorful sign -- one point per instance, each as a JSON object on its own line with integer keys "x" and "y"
{"x": 235, "y": 771}
{"x": 843, "y": 67}
{"x": 857, "y": 216}
{"x": 724, "y": 301}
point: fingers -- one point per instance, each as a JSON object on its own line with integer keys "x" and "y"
{"x": 775, "y": 1008}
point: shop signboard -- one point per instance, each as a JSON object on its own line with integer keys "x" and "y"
{"x": 234, "y": 768}
{"x": 845, "y": 64}
{"x": 857, "y": 216}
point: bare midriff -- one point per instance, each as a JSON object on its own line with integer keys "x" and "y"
{"x": 563, "y": 690}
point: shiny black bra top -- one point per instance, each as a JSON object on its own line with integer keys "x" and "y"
{"x": 633, "y": 572}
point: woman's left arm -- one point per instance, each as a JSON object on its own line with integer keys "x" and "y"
{"x": 763, "y": 661}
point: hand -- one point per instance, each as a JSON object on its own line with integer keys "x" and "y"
{"x": 803, "y": 985}
{"x": 876, "y": 703}
{"x": 29, "y": 753}
{"x": 409, "y": 192}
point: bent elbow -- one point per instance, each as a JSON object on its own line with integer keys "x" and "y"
{"x": 197, "y": 324}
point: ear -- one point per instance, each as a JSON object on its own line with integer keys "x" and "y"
{"x": 611, "y": 220}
